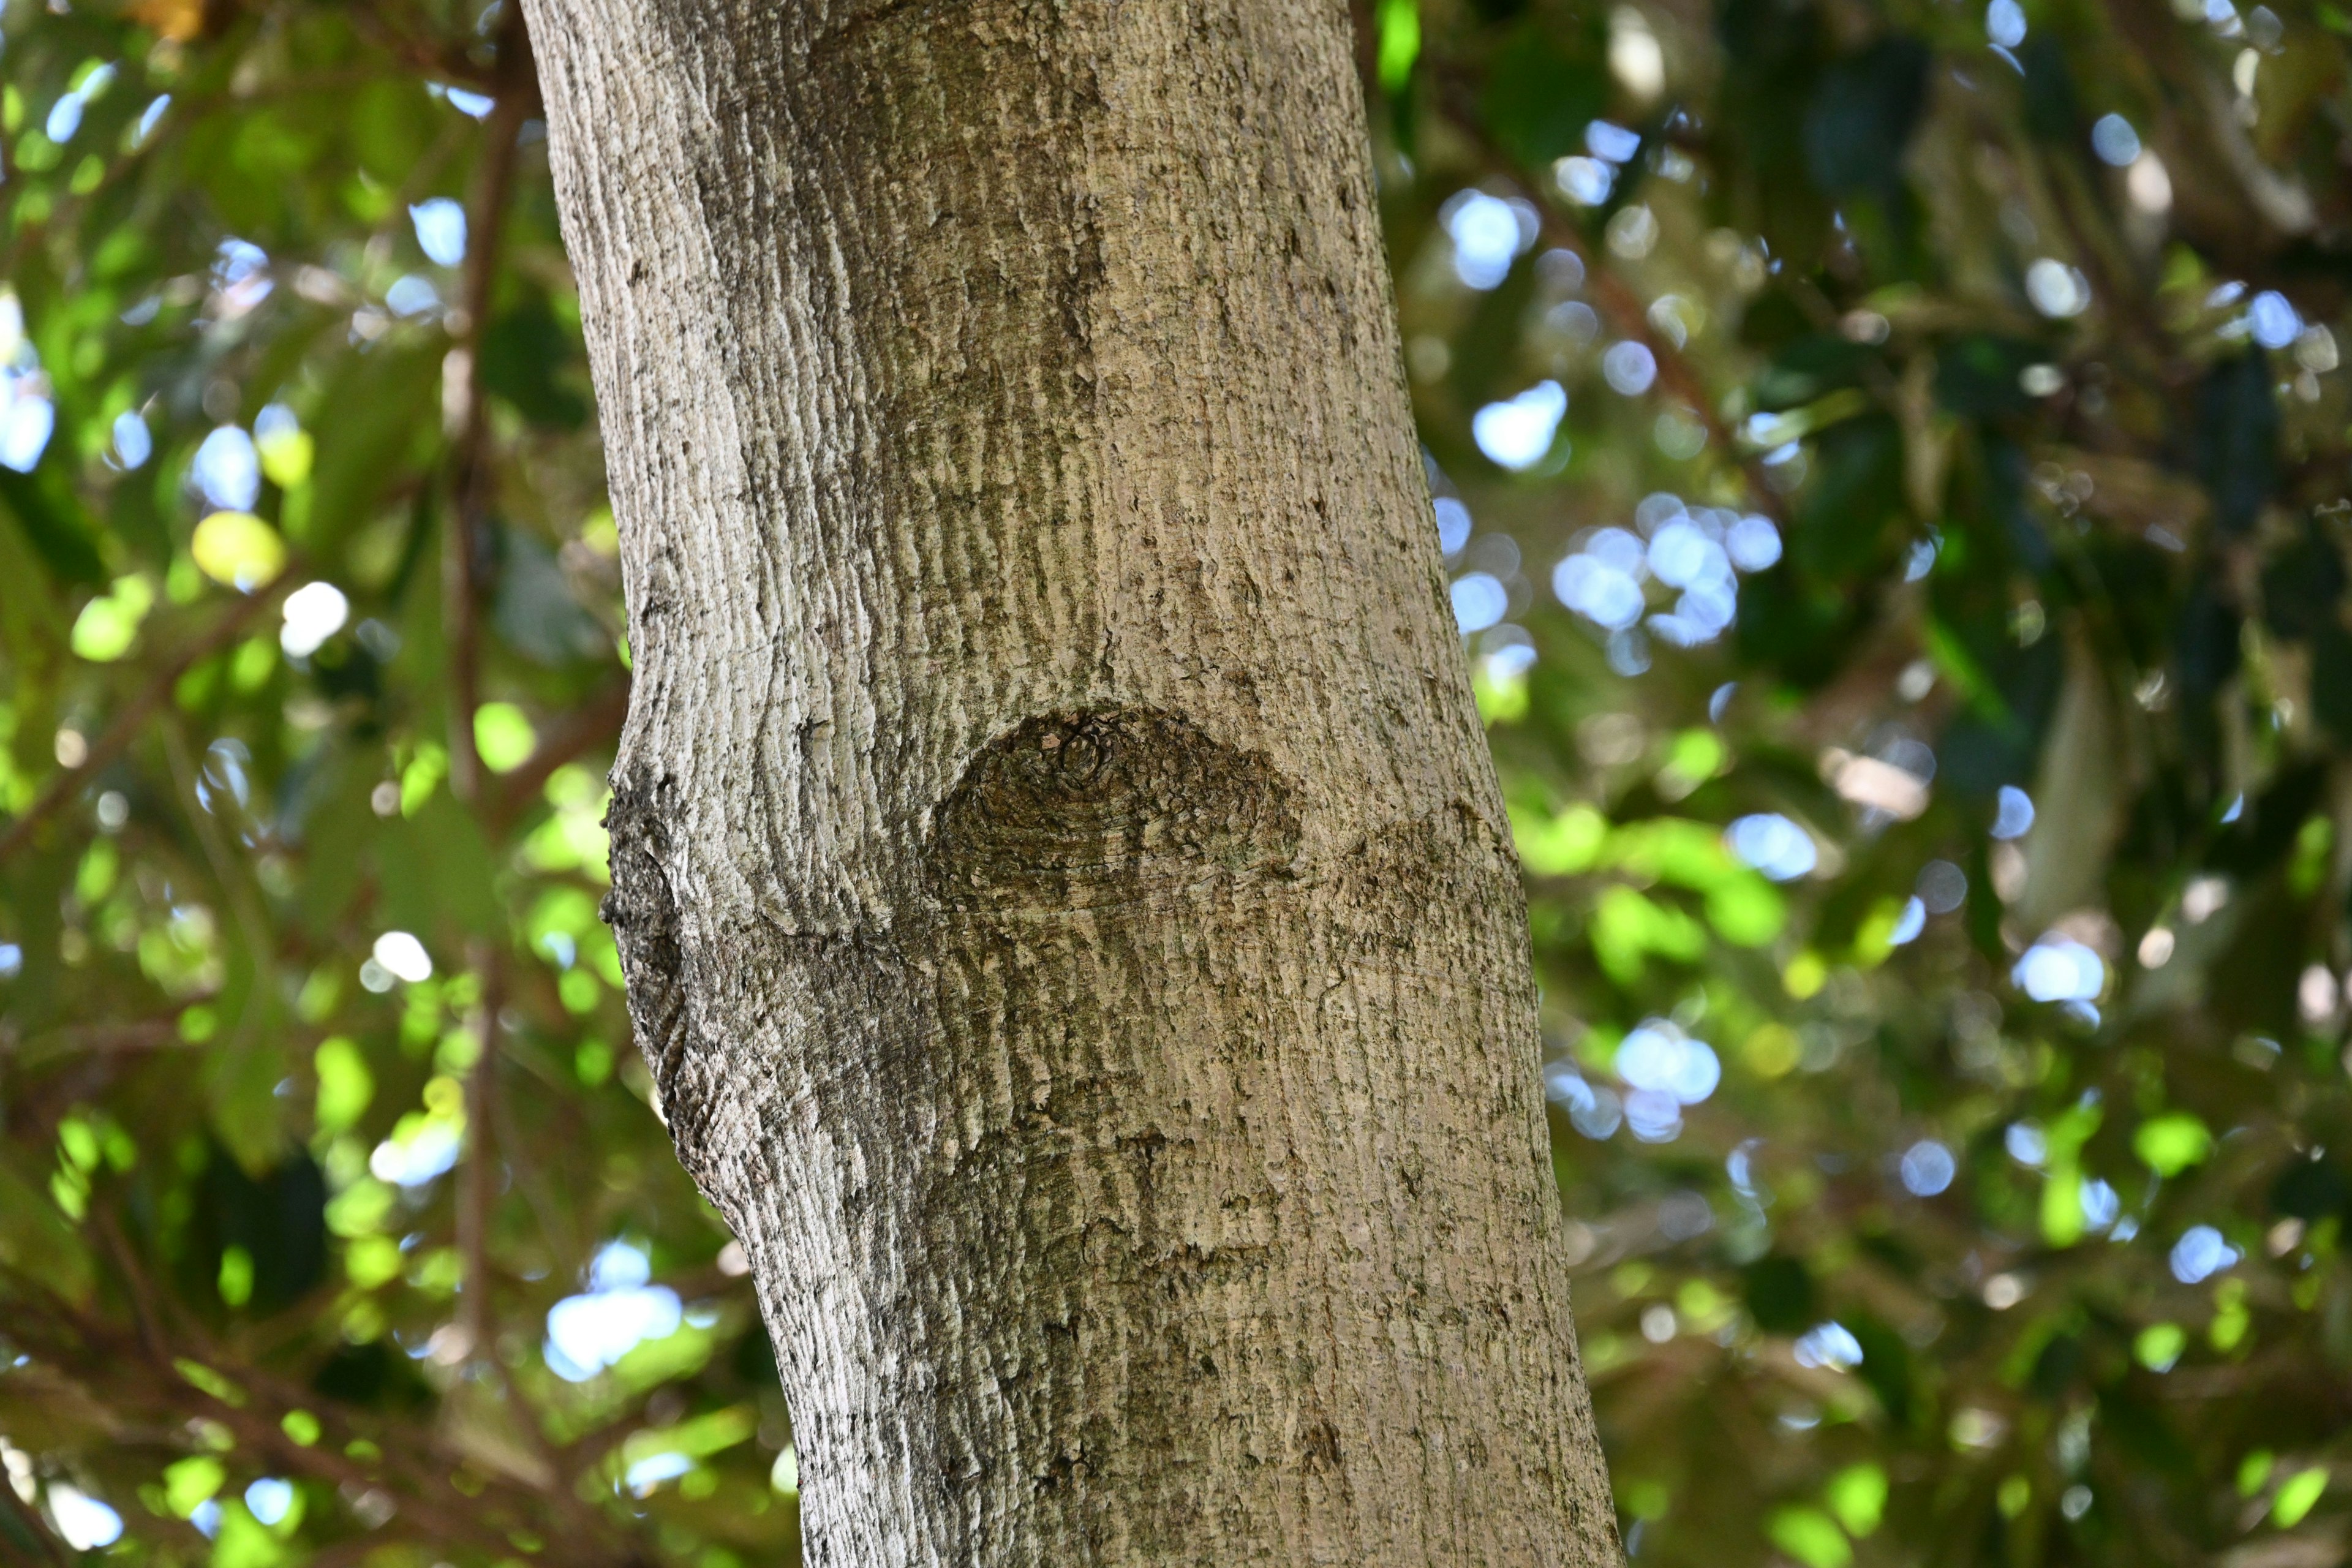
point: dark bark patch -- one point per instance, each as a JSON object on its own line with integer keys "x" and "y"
{"x": 1078, "y": 809}
{"x": 644, "y": 914}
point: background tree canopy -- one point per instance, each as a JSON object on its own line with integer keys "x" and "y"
{"x": 1890, "y": 459}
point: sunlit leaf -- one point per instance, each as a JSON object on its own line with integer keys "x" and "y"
{"x": 237, "y": 549}
{"x": 1809, "y": 1536}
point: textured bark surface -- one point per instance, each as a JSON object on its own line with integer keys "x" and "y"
{"x": 1065, "y": 895}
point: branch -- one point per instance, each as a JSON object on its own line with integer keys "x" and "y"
{"x": 96, "y": 1039}
{"x": 583, "y": 728}
{"x": 421, "y": 56}
{"x": 34, "y": 1527}
{"x": 475, "y": 1194}
{"x": 515, "y": 89}
{"x": 461, "y": 573}
{"x": 126, "y": 725}
{"x": 127, "y": 1375}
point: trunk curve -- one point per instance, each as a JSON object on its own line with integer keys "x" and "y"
{"x": 1065, "y": 899}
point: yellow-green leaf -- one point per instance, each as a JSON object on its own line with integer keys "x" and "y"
{"x": 2171, "y": 1143}
{"x": 1809, "y": 1536}
{"x": 503, "y": 736}
{"x": 2159, "y": 1345}
{"x": 238, "y": 549}
{"x": 190, "y": 1482}
{"x": 2297, "y": 1496}
{"x": 109, "y": 623}
{"x": 1558, "y": 846}
{"x": 345, "y": 1085}
{"x": 1400, "y": 22}
{"x": 285, "y": 456}
{"x": 1857, "y": 1495}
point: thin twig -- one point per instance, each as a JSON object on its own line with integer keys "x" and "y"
{"x": 1619, "y": 302}
{"x": 232, "y": 873}
{"x": 125, "y": 727}
{"x": 143, "y": 1305}
{"x": 477, "y": 1193}
{"x": 121, "y": 1371}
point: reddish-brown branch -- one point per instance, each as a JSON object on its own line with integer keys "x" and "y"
{"x": 472, "y": 474}
{"x": 514, "y": 84}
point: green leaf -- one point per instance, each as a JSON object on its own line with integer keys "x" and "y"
{"x": 1857, "y": 1495}
{"x": 1629, "y": 928}
{"x": 2158, "y": 1346}
{"x": 2297, "y": 1496}
{"x": 536, "y": 613}
{"x": 378, "y": 412}
{"x": 1856, "y": 494}
{"x": 109, "y": 623}
{"x": 434, "y": 873}
{"x": 241, "y": 1074}
{"x": 239, "y": 550}
{"x": 2237, "y": 434}
{"x": 1859, "y": 125}
{"x": 1746, "y": 910}
{"x": 503, "y": 736}
{"x": 345, "y": 1085}
{"x": 38, "y": 1240}
{"x": 202, "y": 1377}
{"x": 60, "y": 531}
{"x": 1559, "y": 844}
{"x": 191, "y": 1482}
{"x": 1539, "y": 97}
{"x": 1809, "y": 1536}
{"x": 696, "y": 1437}
{"x": 1400, "y": 31}
{"x": 243, "y": 1541}
{"x": 522, "y": 353}
{"x": 2171, "y": 1143}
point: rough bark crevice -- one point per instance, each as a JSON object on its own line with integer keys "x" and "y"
{"x": 1064, "y": 894}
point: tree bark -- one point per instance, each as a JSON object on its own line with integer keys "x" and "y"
{"x": 1065, "y": 895}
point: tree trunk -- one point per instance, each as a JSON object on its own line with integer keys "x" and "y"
{"x": 1065, "y": 898}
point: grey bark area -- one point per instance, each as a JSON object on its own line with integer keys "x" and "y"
{"x": 1065, "y": 898}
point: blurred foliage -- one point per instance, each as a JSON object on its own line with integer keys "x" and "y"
{"x": 1890, "y": 457}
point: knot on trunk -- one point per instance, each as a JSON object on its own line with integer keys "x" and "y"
{"x": 1077, "y": 809}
